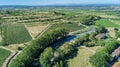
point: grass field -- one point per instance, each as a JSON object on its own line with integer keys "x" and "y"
{"x": 17, "y": 33}
{"x": 106, "y": 23}
{"x": 71, "y": 27}
{"x": 3, "y": 55}
{"x": 82, "y": 58}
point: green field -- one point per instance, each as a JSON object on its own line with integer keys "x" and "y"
{"x": 71, "y": 27}
{"x": 81, "y": 60}
{"x": 16, "y": 33}
{"x": 106, "y": 23}
{"x": 3, "y": 55}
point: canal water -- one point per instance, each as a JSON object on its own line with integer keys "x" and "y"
{"x": 69, "y": 38}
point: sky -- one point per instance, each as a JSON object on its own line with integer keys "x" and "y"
{"x": 56, "y": 2}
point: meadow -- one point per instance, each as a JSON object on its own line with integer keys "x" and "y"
{"x": 81, "y": 60}
{"x": 3, "y": 55}
{"x": 106, "y": 23}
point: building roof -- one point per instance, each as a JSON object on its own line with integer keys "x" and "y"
{"x": 117, "y": 64}
{"x": 116, "y": 52}
{"x": 100, "y": 36}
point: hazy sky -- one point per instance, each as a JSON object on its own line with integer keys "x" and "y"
{"x": 54, "y": 2}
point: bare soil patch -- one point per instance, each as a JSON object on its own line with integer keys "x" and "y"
{"x": 36, "y": 29}
{"x": 111, "y": 32}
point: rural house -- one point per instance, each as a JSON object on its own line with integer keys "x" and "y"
{"x": 116, "y": 53}
{"x": 101, "y": 36}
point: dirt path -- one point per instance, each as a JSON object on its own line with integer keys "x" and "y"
{"x": 88, "y": 30}
{"x": 13, "y": 57}
{"x": 6, "y": 49}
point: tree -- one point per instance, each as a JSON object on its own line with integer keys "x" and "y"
{"x": 89, "y": 19}
{"x": 92, "y": 36}
{"x": 100, "y": 29}
{"x": 46, "y": 56}
{"x": 58, "y": 64}
{"x": 100, "y": 59}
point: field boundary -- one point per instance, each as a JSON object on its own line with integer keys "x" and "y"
{"x": 28, "y": 30}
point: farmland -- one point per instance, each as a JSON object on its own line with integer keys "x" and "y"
{"x": 59, "y": 37}
{"x": 16, "y": 33}
{"x": 71, "y": 27}
{"x": 36, "y": 29}
{"x": 3, "y": 55}
{"x": 106, "y": 23}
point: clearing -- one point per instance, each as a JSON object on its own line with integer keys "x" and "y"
{"x": 82, "y": 58}
{"x": 36, "y": 29}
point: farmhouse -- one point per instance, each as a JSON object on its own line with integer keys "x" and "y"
{"x": 118, "y": 39}
{"x": 100, "y": 36}
{"x": 116, "y": 53}
{"x": 117, "y": 64}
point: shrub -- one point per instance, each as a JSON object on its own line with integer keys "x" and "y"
{"x": 46, "y": 56}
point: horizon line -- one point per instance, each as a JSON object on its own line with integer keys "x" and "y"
{"x": 58, "y": 4}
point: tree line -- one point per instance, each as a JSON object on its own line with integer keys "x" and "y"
{"x": 89, "y": 20}
{"x": 103, "y": 57}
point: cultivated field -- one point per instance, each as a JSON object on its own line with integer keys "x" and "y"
{"x": 106, "y": 23}
{"x": 16, "y": 33}
{"x": 71, "y": 27}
